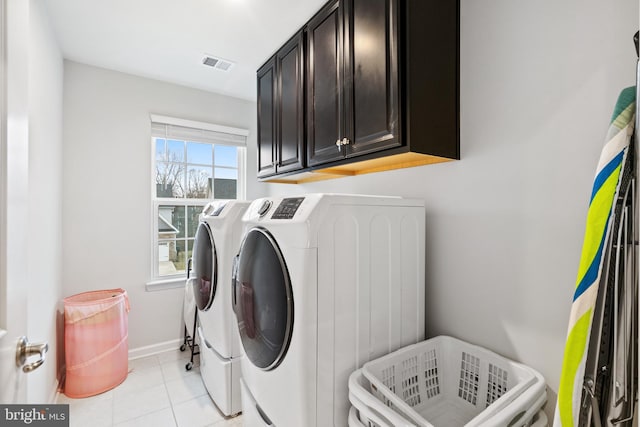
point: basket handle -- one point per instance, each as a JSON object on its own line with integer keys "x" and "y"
{"x": 526, "y": 404}
{"x": 408, "y": 411}
{"x": 373, "y": 416}
{"x": 382, "y": 414}
{"x": 127, "y": 306}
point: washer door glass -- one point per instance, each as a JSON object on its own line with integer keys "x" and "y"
{"x": 205, "y": 266}
{"x": 263, "y": 300}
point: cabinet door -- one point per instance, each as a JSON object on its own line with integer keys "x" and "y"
{"x": 266, "y": 119}
{"x": 324, "y": 85}
{"x": 290, "y": 106}
{"x": 372, "y": 97}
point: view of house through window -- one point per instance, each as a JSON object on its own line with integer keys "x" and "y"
{"x": 177, "y": 226}
{"x": 188, "y": 174}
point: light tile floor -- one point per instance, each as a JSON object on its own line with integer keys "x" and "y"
{"x": 158, "y": 392}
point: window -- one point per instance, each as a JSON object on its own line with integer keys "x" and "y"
{"x": 193, "y": 162}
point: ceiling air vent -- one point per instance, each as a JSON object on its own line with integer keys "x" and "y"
{"x": 217, "y": 63}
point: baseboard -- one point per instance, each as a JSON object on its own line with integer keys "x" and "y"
{"x": 134, "y": 353}
{"x": 57, "y": 389}
{"x": 53, "y": 396}
{"x": 150, "y": 350}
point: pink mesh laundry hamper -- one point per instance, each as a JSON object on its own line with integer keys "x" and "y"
{"x": 95, "y": 341}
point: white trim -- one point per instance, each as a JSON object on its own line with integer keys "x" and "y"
{"x": 4, "y": 320}
{"x": 164, "y": 284}
{"x": 53, "y": 396}
{"x": 2, "y": 333}
{"x": 242, "y": 174}
{"x": 150, "y": 350}
{"x": 156, "y": 118}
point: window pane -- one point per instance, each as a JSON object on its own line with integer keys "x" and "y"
{"x": 161, "y": 149}
{"x": 189, "y": 254}
{"x": 199, "y": 153}
{"x": 176, "y": 150}
{"x": 183, "y": 252}
{"x": 226, "y": 155}
{"x": 165, "y": 265}
{"x": 198, "y": 182}
{"x": 193, "y": 212}
{"x": 173, "y": 255}
{"x": 225, "y": 188}
{"x": 171, "y": 222}
{"x": 226, "y": 173}
{"x": 179, "y": 185}
{"x": 169, "y": 179}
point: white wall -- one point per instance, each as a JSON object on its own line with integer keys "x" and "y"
{"x": 107, "y": 185}
{"x": 505, "y": 223}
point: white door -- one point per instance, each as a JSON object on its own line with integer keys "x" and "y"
{"x": 14, "y": 168}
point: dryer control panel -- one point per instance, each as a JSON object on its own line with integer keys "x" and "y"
{"x": 287, "y": 208}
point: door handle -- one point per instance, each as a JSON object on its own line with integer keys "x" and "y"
{"x": 26, "y": 349}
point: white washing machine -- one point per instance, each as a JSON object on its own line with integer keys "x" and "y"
{"x": 322, "y": 284}
{"x": 217, "y": 241}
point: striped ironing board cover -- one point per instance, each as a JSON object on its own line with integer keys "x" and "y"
{"x": 605, "y": 189}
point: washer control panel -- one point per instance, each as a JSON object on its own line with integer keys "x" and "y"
{"x": 287, "y": 208}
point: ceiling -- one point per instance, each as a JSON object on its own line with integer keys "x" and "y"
{"x": 168, "y": 39}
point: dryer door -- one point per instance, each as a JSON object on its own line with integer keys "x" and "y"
{"x": 205, "y": 267}
{"x": 263, "y": 299}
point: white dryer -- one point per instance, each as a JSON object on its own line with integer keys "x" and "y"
{"x": 322, "y": 284}
{"x": 217, "y": 240}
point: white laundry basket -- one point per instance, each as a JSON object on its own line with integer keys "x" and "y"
{"x": 539, "y": 419}
{"x": 445, "y": 382}
{"x": 354, "y": 421}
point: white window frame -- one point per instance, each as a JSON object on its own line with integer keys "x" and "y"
{"x": 197, "y": 132}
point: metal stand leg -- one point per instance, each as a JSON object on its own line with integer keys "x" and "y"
{"x": 193, "y": 346}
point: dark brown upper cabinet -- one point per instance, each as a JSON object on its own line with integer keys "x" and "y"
{"x": 352, "y": 76}
{"x": 267, "y": 119}
{"x": 381, "y": 88}
{"x": 281, "y": 110}
{"x": 325, "y": 80}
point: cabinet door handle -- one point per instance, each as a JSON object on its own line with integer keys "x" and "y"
{"x": 339, "y": 144}
{"x": 345, "y": 141}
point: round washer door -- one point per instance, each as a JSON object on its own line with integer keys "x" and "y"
{"x": 263, "y": 299}
{"x": 205, "y": 267}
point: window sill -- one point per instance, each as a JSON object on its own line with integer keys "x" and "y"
{"x": 164, "y": 284}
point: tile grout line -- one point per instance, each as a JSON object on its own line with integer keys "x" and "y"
{"x": 173, "y": 411}
{"x": 113, "y": 423}
{"x": 166, "y": 376}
